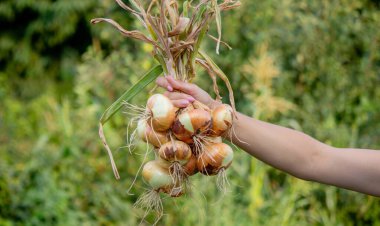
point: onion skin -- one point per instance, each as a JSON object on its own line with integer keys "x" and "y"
{"x": 198, "y": 105}
{"x": 163, "y": 112}
{"x": 190, "y": 123}
{"x": 191, "y": 167}
{"x": 173, "y": 191}
{"x": 213, "y": 140}
{"x": 215, "y": 157}
{"x": 175, "y": 151}
{"x": 222, "y": 117}
{"x": 147, "y": 134}
{"x": 156, "y": 174}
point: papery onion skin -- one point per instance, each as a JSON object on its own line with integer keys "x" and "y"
{"x": 222, "y": 117}
{"x": 213, "y": 140}
{"x": 175, "y": 151}
{"x": 163, "y": 112}
{"x": 191, "y": 167}
{"x": 190, "y": 123}
{"x": 215, "y": 157}
{"x": 147, "y": 134}
{"x": 156, "y": 174}
{"x": 199, "y": 105}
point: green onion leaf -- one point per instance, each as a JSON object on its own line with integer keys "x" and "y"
{"x": 115, "y": 107}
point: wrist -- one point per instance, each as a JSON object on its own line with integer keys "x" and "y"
{"x": 213, "y": 104}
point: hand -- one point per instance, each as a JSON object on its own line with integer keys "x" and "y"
{"x": 183, "y": 93}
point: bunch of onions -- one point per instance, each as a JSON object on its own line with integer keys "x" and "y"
{"x": 186, "y": 141}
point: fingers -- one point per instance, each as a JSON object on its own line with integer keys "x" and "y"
{"x": 181, "y": 86}
{"x": 179, "y": 100}
{"x": 180, "y": 103}
{"x": 171, "y": 84}
{"x": 179, "y": 96}
{"x": 161, "y": 81}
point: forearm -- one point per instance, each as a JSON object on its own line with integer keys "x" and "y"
{"x": 354, "y": 169}
{"x": 285, "y": 149}
{"x": 306, "y": 158}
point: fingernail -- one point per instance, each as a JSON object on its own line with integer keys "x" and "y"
{"x": 170, "y": 88}
{"x": 191, "y": 99}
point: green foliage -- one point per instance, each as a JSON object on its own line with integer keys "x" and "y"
{"x": 58, "y": 74}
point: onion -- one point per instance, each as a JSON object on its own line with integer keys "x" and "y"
{"x": 191, "y": 166}
{"x": 147, "y": 134}
{"x": 162, "y": 112}
{"x": 191, "y": 123}
{"x": 221, "y": 119}
{"x": 175, "y": 151}
{"x": 212, "y": 140}
{"x": 199, "y": 105}
{"x": 215, "y": 158}
{"x": 156, "y": 174}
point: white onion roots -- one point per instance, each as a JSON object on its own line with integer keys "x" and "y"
{"x": 175, "y": 191}
{"x": 178, "y": 174}
{"x": 137, "y": 113}
{"x": 148, "y": 150}
{"x": 199, "y": 145}
{"x": 202, "y": 140}
{"x": 150, "y": 200}
{"x": 222, "y": 181}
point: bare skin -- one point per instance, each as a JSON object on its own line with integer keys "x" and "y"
{"x": 291, "y": 151}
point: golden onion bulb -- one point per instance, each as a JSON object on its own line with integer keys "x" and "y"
{"x": 175, "y": 151}
{"x": 156, "y": 174}
{"x": 163, "y": 112}
{"x": 191, "y": 167}
{"x": 190, "y": 123}
{"x": 214, "y": 158}
{"x": 147, "y": 134}
{"x": 222, "y": 117}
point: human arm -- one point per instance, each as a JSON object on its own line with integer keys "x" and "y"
{"x": 304, "y": 157}
{"x": 292, "y": 151}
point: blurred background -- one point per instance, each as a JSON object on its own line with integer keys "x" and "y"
{"x": 309, "y": 65}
